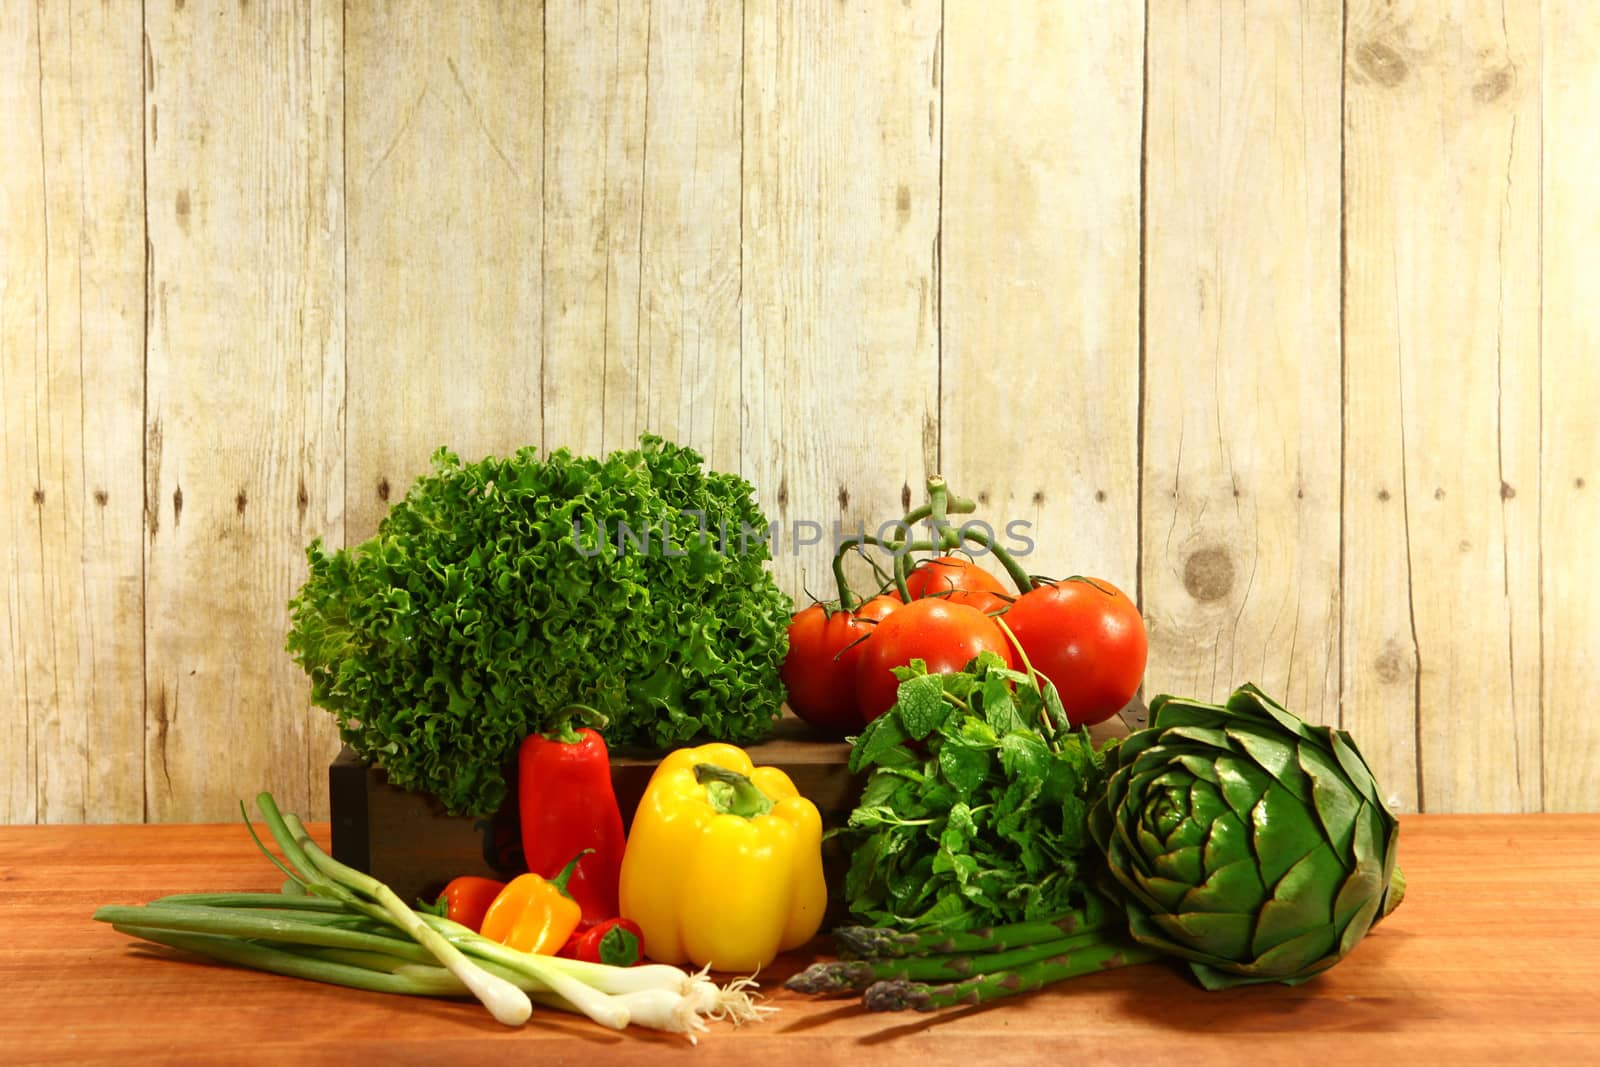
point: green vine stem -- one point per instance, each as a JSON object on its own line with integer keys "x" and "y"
{"x": 900, "y": 550}
{"x": 941, "y": 504}
{"x": 1019, "y": 574}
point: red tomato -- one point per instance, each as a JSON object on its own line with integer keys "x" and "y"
{"x": 943, "y": 635}
{"x": 957, "y": 580}
{"x": 820, "y": 669}
{"x": 466, "y": 899}
{"x": 1086, "y": 636}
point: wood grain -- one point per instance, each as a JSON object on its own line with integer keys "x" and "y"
{"x": 1241, "y": 475}
{"x": 1442, "y": 392}
{"x": 689, "y": 241}
{"x": 258, "y": 261}
{"x": 641, "y": 208}
{"x": 1039, "y": 278}
{"x": 840, "y": 365}
{"x": 596, "y": 62}
{"x": 1446, "y": 978}
{"x": 71, "y": 394}
{"x": 443, "y": 171}
{"x": 1569, "y": 368}
{"x": 245, "y": 387}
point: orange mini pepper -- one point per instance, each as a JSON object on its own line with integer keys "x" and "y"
{"x": 534, "y": 914}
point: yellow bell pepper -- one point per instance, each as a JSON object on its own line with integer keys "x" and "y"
{"x": 723, "y": 865}
{"x": 534, "y": 914}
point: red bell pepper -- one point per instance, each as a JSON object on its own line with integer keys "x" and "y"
{"x": 567, "y": 804}
{"x": 618, "y": 942}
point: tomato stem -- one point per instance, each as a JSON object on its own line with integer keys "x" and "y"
{"x": 938, "y": 509}
{"x": 848, "y": 600}
{"x": 902, "y": 565}
{"x": 1019, "y": 573}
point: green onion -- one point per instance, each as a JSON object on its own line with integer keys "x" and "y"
{"x": 334, "y": 924}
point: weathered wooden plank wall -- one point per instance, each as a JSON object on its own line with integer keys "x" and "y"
{"x": 1278, "y": 315}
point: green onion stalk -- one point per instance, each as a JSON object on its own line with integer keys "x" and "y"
{"x": 334, "y": 924}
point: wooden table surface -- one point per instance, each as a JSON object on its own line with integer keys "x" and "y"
{"x": 1494, "y": 956}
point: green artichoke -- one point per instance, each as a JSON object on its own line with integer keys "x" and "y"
{"x": 1251, "y": 844}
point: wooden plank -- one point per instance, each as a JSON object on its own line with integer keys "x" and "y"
{"x": 24, "y": 352}
{"x": 840, "y": 335}
{"x": 596, "y": 63}
{"x": 245, "y": 393}
{"x": 641, "y": 210}
{"x": 1240, "y": 528}
{"x": 442, "y": 165}
{"x": 1039, "y": 279}
{"x": 72, "y": 381}
{"x": 1445, "y": 978}
{"x": 1441, "y": 632}
{"x": 688, "y": 350}
{"x": 1570, "y": 373}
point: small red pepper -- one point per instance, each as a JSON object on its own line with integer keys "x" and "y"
{"x": 618, "y": 942}
{"x": 566, "y": 804}
{"x": 466, "y": 899}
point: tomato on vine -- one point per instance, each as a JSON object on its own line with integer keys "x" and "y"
{"x": 945, "y": 636}
{"x": 958, "y": 581}
{"x": 825, "y": 645}
{"x": 1088, "y": 638}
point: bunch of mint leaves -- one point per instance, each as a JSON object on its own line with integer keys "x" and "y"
{"x": 975, "y": 812}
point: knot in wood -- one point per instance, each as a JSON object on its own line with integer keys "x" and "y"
{"x": 1208, "y": 574}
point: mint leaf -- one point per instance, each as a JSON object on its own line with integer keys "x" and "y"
{"x": 986, "y": 662}
{"x": 915, "y": 669}
{"x": 964, "y": 767}
{"x": 1024, "y": 755}
{"x": 882, "y": 735}
{"x": 921, "y": 705}
{"x": 999, "y": 710}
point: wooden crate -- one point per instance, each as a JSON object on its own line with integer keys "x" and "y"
{"x": 406, "y": 839}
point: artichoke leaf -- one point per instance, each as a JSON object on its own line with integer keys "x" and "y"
{"x": 1295, "y": 955}
{"x": 1303, "y": 900}
{"x": 1252, "y": 703}
{"x": 1356, "y": 770}
{"x": 1274, "y": 755}
{"x": 1216, "y": 937}
{"x": 1242, "y": 783}
{"x": 1184, "y": 865}
{"x": 1199, "y": 766}
{"x": 1166, "y": 711}
{"x": 1206, "y": 806}
{"x": 1233, "y": 889}
{"x": 1281, "y": 832}
{"x": 1206, "y": 737}
{"x": 1359, "y": 924}
{"x": 1227, "y": 841}
{"x": 1166, "y": 893}
{"x": 1337, "y": 806}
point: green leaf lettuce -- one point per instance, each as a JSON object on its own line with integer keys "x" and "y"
{"x": 499, "y": 593}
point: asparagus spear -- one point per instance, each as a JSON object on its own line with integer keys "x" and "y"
{"x": 879, "y": 943}
{"x": 846, "y": 975}
{"x": 898, "y": 995}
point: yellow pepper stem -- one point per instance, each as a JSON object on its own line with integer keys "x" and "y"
{"x": 732, "y": 793}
